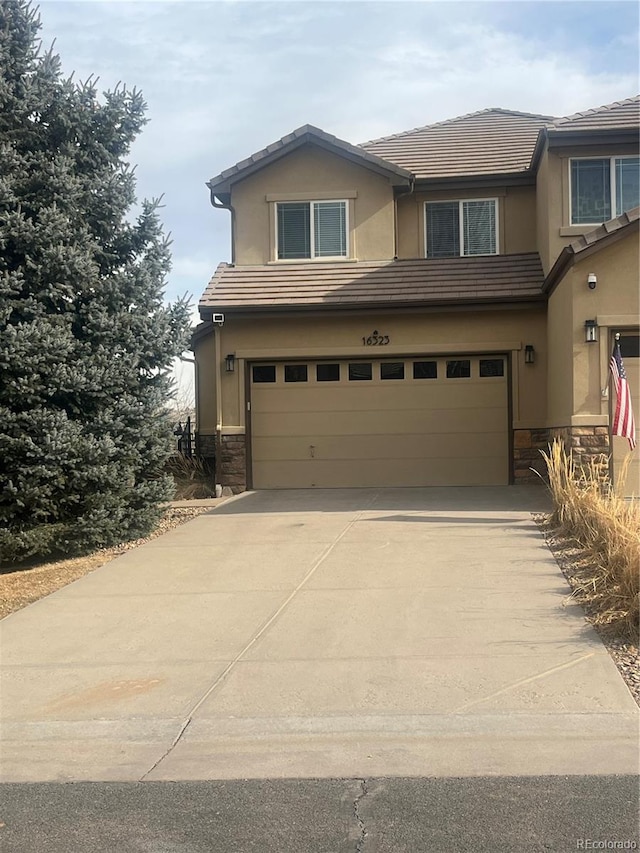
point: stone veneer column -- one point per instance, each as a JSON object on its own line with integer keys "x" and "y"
{"x": 231, "y": 464}
{"x": 527, "y": 444}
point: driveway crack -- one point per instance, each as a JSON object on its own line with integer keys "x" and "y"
{"x": 356, "y": 813}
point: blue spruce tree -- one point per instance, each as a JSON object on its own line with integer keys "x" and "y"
{"x": 86, "y": 341}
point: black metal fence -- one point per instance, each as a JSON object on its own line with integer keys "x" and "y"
{"x": 186, "y": 438}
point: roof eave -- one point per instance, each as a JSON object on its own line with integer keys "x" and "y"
{"x": 505, "y": 179}
{"x": 259, "y": 310}
{"x": 396, "y": 174}
{"x": 558, "y": 138}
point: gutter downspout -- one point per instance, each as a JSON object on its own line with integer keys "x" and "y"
{"x": 396, "y": 238}
{"x": 221, "y": 206}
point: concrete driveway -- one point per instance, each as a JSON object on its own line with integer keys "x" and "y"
{"x": 351, "y": 633}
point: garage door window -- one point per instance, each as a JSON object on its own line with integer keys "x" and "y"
{"x": 360, "y": 372}
{"x": 425, "y": 369}
{"x": 392, "y": 370}
{"x": 295, "y": 373}
{"x": 327, "y": 372}
{"x": 264, "y": 373}
{"x": 491, "y": 367}
{"x": 459, "y": 369}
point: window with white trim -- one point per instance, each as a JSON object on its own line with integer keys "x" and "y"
{"x": 454, "y": 228}
{"x": 603, "y": 188}
{"x": 311, "y": 229}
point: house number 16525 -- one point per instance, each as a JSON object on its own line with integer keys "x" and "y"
{"x": 375, "y": 339}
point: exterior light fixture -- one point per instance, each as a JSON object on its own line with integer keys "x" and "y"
{"x": 592, "y": 280}
{"x": 591, "y": 331}
{"x": 529, "y": 354}
{"x": 229, "y": 362}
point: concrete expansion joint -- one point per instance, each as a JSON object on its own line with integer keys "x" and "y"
{"x": 356, "y": 813}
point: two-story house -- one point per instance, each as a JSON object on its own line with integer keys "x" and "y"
{"x": 430, "y": 308}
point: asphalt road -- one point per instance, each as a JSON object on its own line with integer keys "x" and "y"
{"x": 380, "y": 815}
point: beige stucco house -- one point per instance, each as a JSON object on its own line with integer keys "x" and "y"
{"x": 416, "y": 310}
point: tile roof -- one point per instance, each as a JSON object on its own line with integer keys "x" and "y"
{"x": 620, "y": 115}
{"x": 306, "y": 133}
{"x": 604, "y": 230}
{"x": 598, "y": 238}
{"x": 489, "y": 142}
{"x": 314, "y": 286}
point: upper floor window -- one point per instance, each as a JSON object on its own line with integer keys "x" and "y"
{"x": 312, "y": 229}
{"x": 456, "y": 228}
{"x": 603, "y": 187}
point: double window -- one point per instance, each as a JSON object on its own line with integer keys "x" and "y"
{"x": 312, "y": 229}
{"x": 455, "y": 228}
{"x": 603, "y": 187}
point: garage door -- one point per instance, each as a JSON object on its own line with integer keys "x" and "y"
{"x": 402, "y": 422}
{"x": 630, "y": 351}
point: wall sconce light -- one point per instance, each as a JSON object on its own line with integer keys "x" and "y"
{"x": 229, "y": 362}
{"x": 529, "y": 354}
{"x": 591, "y": 331}
{"x": 592, "y": 280}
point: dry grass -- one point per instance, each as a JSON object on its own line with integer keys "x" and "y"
{"x": 193, "y": 478}
{"x": 23, "y": 584}
{"x": 606, "y": 529}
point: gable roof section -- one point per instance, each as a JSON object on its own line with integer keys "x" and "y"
{"x": 423, "y": 283}
{"x": 490, "y": 142}
{"x": 302, "y": 135}
{"x": 602, "y": 236}
{"x": 620, "y": 115}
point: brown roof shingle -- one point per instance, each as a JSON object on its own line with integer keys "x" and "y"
{"x": 489, "y": 142}
{"x": 620, "y": 115}
{"x": 314, "y": 286}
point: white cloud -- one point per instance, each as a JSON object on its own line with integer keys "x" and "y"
{"x": 222, "y": 80}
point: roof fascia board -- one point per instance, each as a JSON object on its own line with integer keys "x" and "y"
{"x": 520, "y": 179}
{"x": 538, "y": 151}
{"x": 360, "y": 307}
{"x": 573, "y": 138}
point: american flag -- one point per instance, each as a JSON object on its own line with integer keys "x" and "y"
{"x": 623, "y": 422}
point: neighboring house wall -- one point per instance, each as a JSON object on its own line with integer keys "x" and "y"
{"x": 516, "y": 218}
{"x": 307, "y": 174}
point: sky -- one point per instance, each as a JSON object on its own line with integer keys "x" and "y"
{"x": 224, "y": 79}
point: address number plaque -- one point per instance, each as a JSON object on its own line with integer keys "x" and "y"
{"x": 375, "y": 339}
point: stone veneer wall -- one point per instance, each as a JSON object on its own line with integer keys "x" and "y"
{"x": 231, "y": 463}
{"x": 206, "y": 446}
{"x": 527, "y": 444}
{"x": 584, "y": 443}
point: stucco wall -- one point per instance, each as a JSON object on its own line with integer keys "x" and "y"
{"x": 516, "y": 218}
{"x": 410, "y": 333}
{"x": 311, "y": 173}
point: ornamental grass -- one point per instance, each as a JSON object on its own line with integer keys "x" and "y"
{"x": 605, "y": 528}
{"x": 193, "y": 477}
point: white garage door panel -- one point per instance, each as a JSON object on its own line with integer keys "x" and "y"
{"x": 380, "y": 432}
